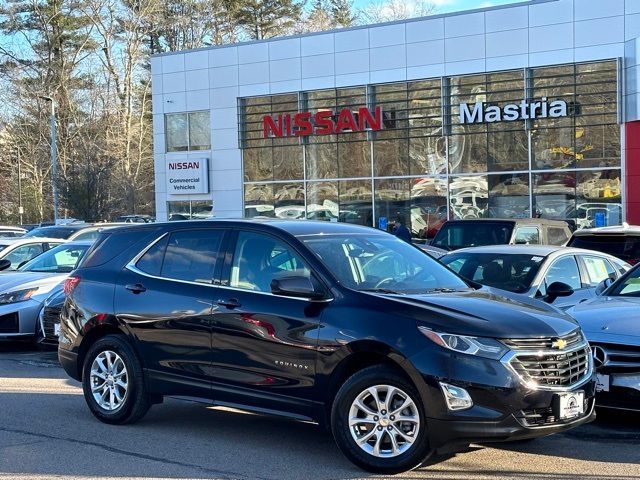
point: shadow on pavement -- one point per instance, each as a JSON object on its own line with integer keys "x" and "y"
{"x": 616, "y": 428}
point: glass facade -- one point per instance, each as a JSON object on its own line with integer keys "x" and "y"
{"x": 426, "y": 165}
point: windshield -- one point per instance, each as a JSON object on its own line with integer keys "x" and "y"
{"x": 472, "y": 234}
{"x": 624, "y": 247}
{"x": 506, "y": 271}
{"x": 381, "y": 262}
{"x": 11, "y": 234}
{"x": 61, "y": 259}
{"x": 628, "y": 286}
{"x": 51, "y": 232}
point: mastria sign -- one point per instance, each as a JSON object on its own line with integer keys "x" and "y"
{"x": 481, "y": 113}
{"x": 325, "y": 122}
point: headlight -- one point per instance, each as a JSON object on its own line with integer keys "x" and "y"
{"x": 17, "y": 296}
{"x": 480, "y": 346}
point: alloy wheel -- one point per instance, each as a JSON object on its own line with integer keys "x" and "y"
{"x": 384, "y": 421}
{"x": 109, "y": 380}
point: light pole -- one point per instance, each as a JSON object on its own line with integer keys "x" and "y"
{"x": 20, "y": 209}
{"x": 54, "y": 155}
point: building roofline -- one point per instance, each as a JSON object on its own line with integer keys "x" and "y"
{"x": 524, "y": 3}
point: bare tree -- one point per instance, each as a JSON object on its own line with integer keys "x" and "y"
{"x": 389, "y": 10}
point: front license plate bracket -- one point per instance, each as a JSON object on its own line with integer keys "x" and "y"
{"x": 568, "y": 405}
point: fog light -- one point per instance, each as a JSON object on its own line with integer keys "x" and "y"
{"x": 457, "y": 398}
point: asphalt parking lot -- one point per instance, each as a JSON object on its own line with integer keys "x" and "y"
{"x": 46, "y": 431}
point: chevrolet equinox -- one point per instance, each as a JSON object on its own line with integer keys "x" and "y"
{"x": 342, "y": 325}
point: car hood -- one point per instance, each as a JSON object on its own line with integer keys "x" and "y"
{"x": 489, "y": 313}
{"x": 45, "y": 282}
{"x": 610, "y": 319}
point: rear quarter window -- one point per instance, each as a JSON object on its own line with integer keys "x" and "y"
{"x": 108, "y": 245}
{"x": 557, "y": 236}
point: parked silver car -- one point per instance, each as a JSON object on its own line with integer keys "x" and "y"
{"x": 558, "y": 275}
{"x": 611, "y": 322}
{"x": 22, "y": 293}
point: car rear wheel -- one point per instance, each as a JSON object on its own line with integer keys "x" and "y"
{"x": 379, "y": 423}
{"x": 113, "y": 382}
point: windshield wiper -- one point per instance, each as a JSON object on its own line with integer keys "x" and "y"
{"x": 381, "y": 290}
{"x": 441, "y": 290}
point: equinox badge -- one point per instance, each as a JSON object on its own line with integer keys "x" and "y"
{"x": 299, "y": 366}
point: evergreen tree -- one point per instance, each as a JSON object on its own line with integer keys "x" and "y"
{"x": 266, "y": 18}
{"x": 342, "y": 13}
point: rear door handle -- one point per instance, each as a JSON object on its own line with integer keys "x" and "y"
{"x": 230, "y": 303}
{"x": 136, "y": 288}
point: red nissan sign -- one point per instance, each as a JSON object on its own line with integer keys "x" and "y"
{"x": 324, "y": 122}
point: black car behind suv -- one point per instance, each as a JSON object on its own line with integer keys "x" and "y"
{"x": 343, "y": 325}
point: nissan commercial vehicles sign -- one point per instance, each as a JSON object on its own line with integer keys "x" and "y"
{"x": 188, "y": 176}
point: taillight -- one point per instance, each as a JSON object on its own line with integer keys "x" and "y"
{"x": 70, "y": 284}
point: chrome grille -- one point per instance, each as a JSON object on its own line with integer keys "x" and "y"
{"x": 544, "y": 343}
{"x": 547, "y": 368}
{"x": 616, "y": 358}
{"x": 50, "y": 317}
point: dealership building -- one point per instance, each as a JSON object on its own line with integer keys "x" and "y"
{"x": 530, "y": 109}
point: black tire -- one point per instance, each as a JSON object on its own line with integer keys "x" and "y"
{"x": 413, "y": 457}
{"x": 136, "y": 401}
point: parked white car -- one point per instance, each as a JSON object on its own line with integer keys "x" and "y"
{"x": 11, "y": 232}
{"x": 561, "y": 276}
{"x": 21, "y": 250}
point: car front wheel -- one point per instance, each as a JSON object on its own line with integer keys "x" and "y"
{"x": 379, "y": 423}
{"x": 113, "y": 382}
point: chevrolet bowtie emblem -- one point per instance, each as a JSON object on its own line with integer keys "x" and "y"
{"x": 560, "y": 344}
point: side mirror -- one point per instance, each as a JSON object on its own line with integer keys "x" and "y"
{"x": 4, "y": 264}
{"x": 603, "y": 285}
{"x": 295, "y": 286}
{"x": 557, "y": 289}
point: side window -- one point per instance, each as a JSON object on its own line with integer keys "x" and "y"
{"x": 527, "y": 236}
{"x": 258, "y": 259}
{"x": 88, "y": 235}
{"x": 191, "y": 255}
{"x": 563, "y": 270}
{"x": 557, "y": 236}
{"x": 598, "y": 269}
{"x": 24, "y": 253}
{"x": 457, "y": 264}
{"x": 151, "y": 261}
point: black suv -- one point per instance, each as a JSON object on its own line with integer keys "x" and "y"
{"x": 343, "y": 325}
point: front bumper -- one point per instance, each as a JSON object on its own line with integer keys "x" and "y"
{"x": 447, "y": 434}
{"x": 623, "y": 392}
{"x": 18, "y": 320}
{"x": 504, "y": 407}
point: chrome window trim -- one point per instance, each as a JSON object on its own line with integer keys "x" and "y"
{"x": 131, "y": 266}
{"x": 509, "y": 356}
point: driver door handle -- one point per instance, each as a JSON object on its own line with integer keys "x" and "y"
{"x": 136, "y": 288}
{"x": 230, "y": 303}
